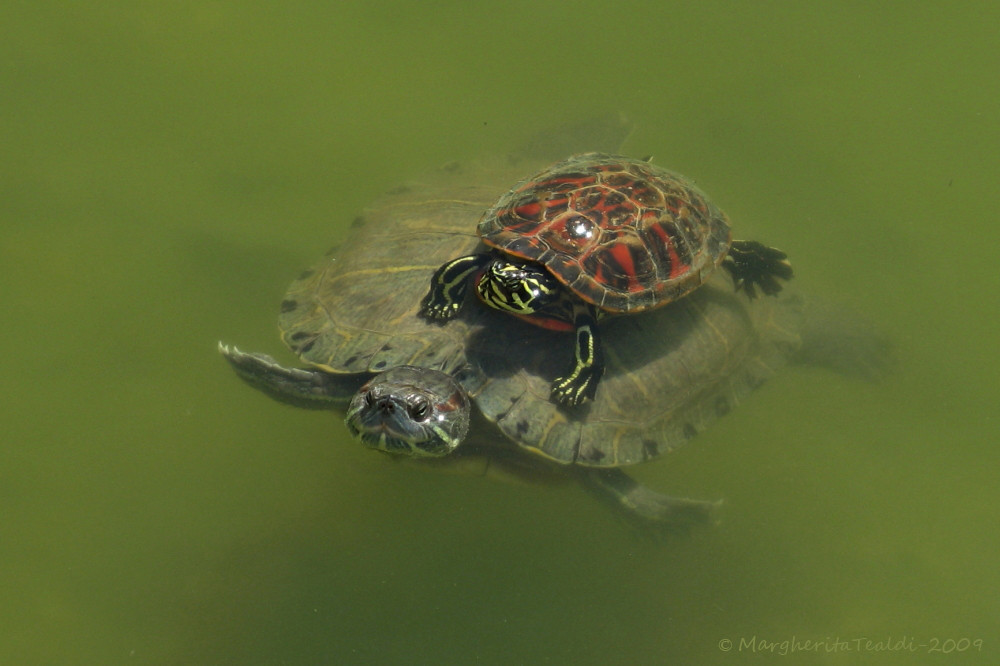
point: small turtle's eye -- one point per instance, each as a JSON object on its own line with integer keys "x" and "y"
{"x": 370, "y": 398}
{"x": 419, "y": 409}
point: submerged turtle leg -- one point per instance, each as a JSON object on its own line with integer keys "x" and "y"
{"x": 298, "y": 386}
{"x": 644, "y": 504}
{"x": 754, "y": 264}
{"x": 449, "y": 284}
{"x": 841, "y": 339}
{"x": 588, "y": 365}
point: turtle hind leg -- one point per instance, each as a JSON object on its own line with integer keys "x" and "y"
{"x": 839, "y": 338}
{"x": 754, "y": 265}
{"x": 644, "y": 505}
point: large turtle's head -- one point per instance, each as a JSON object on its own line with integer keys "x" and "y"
{"x": 410, "y": 411}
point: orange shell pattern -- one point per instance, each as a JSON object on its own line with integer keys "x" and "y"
{"x": 622, "y": 234}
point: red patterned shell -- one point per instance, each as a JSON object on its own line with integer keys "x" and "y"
{"x": 621, "y": 233}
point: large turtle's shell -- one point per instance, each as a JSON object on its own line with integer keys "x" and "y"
{"x": 622, "y": 234}
{"x": 669, "y": 371}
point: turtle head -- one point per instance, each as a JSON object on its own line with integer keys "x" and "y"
{"x": 521, "y": 288}
{"x": 410, "y": 411}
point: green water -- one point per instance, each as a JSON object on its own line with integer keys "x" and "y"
{"x": 167, "y": 168}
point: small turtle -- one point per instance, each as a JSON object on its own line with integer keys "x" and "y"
{"x": 592, "y": 236}
{"x": 476, "y": 388}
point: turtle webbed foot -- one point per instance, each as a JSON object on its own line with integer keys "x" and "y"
{"x": 674, "y": 514}
{"x": 581, "y": 382}
{"x": 654, "y": 512}
{"x": 438, "y": 310}
{"x": 302, "y": 387}
{"x": 574, "y": 390}
{"x": 448, "y": 286}
{"x": 755, "y": 265}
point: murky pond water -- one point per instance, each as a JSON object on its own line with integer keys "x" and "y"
{"x": 165, "y": 172}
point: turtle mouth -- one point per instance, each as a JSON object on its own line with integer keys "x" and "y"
{"x": 384, "y": 439}
{"x": 386, "y": 432}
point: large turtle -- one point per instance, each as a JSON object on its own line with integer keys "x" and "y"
{"x": 477, "y": 387}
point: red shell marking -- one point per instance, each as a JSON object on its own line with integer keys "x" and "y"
{"x": 622, "y": 234}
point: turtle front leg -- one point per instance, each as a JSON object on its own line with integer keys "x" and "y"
{"x": 302, "y": 387}
{"x": 588, "y": 367}
{"x": 754, "y": 264}
{"x": 644, "y": 505}
{"x": 449, "y": 284}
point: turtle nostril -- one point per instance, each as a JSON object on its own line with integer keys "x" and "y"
{"x": 385, "y": 405}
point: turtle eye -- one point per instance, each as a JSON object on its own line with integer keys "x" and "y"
{"x": 370, "y": 398}
{"x": 419, "y": 409}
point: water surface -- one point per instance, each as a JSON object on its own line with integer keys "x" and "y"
{"x": 167, "y": 169}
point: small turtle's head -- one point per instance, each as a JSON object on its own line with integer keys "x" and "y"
{"x": 410, "y": 411}
{"x": 521, "y": 288}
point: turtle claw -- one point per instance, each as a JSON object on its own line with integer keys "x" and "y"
{"x": 582, "y": 380}
{"x": 448, "y": 287}
{"x": 755, "y": 266}
{"x": 439, "y": 311}
{"x": 573, "y": 390}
